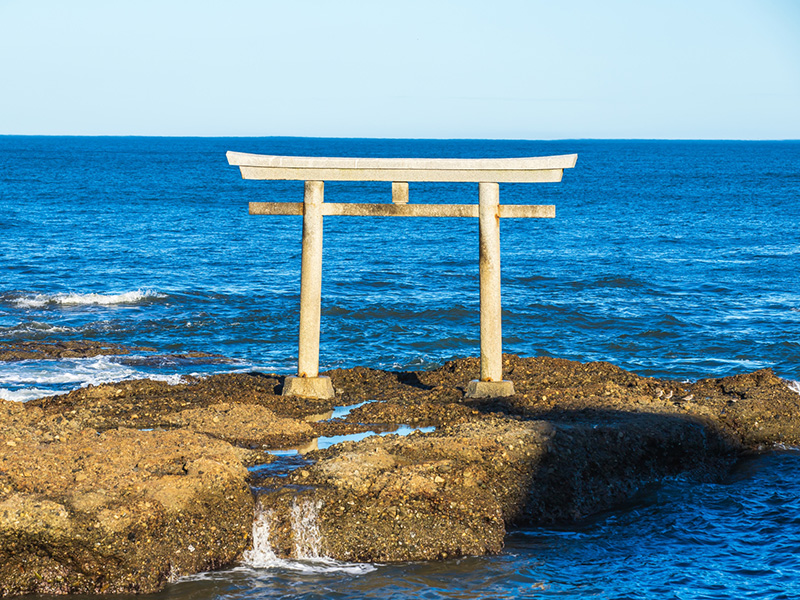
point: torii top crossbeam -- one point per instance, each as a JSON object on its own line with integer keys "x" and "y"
{"x": 487, "y": 172}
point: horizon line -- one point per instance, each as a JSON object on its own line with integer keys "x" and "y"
{"x": 314, "y": 137}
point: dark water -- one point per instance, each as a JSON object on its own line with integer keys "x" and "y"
{"x": 676, "y": 259}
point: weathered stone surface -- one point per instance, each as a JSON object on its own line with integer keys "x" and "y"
{"x": 149, "y": 404}
{"x": 490, "y": 389}
{"x": 120, "y": 511}
{"x": 246, "y": 425}
{"x": 307, "y": 168}
{"x": 602, "y": 434}
{"x": 758, "y": 409}
{"x": 309, "y": 387}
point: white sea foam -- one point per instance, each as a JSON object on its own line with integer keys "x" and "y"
{"x": 262, "y": 555}
{"x": 40, "y": 300}
{"x": 307, "y": 537}
{"x": 27, "y": 379}
{"x": 793, "y": 385}
{"x": 307, "y": 544}
{"x": 78, "y": 371}
{"x": 35, "y": 327}
{"x": 323, "y": 564}
{"x": 25, "y": 394}
{"x": 786, "y": 447}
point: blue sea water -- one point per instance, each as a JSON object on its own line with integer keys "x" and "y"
{"x": 669, "y": 258}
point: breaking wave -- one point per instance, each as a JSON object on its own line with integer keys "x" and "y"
{"x": 35, "y": 328}
{"x": 72, "y": 299}
{"x": 28, "y": 379}
{"x": 25, "y": 394}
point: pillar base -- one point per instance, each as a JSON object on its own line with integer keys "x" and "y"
{"x": 490, "y": 389}
{"x": 309, "y": 387}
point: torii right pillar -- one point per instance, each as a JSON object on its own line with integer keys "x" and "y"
{"x": 491, "y": 383}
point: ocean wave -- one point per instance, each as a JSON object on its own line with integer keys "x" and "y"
{"x": 25, "y": 394}
{"x": 35, "y": 327}
{"x": 79, "y": 371}
{"x": 72, "y": 299}
{"x": 27, "y": 379}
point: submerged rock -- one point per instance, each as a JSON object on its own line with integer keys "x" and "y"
{"x": 10, "y": 351}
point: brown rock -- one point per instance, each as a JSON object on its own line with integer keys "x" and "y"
{"x": 121, "y": 511}
{"x": 454, "y": 492}
{"x": 245, "y": 425}
{"x": 145, "y": 403}
{"x": 85, "y": 507}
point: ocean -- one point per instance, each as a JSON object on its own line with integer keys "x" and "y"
{"x": 672, "y": 259}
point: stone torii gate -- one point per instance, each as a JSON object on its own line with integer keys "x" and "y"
{"x": 488, "y": 173}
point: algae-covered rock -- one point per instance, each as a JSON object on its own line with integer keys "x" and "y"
{"x": 36, "y": 350}
{"x": 145, "y": 403}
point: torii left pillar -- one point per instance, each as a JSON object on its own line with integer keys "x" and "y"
{"x": 308, "y": 383}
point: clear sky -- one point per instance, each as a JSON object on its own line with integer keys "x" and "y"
{"x": 720, "y": 69}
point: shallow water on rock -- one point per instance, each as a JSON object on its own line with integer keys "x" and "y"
{"x": 323, "y": 442}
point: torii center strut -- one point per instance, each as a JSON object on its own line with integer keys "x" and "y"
{"x": 488, "y": 173}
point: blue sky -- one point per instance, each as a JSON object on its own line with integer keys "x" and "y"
{"x": 698, "y": 69}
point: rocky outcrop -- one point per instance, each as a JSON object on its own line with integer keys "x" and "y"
{"x": 245, "y": 425}
{"x": 118, "y": 511}
{"x": 756, "y": 409}
{"x": 145, "y": 403}
{"x": 122, "y": 487}
{"x": 576, "y": 439}
{"x": 456, "y": 491}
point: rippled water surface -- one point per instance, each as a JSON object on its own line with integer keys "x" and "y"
{"x": 674, "y": 259}
{"x": 670, "y": 258}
